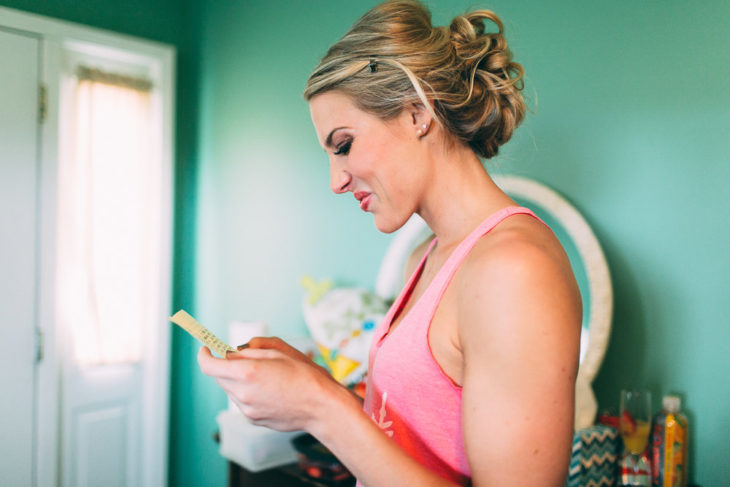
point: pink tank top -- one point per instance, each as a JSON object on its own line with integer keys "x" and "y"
{"x": 408, "y": 395}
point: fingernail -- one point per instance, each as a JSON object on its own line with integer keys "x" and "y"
{"x": 242, "y": 347}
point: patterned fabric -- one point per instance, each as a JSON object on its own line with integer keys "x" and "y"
{"x": 594, "y": 459}
{"x": 408, "y": 394}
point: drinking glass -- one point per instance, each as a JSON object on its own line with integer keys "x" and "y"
{"x": 635, "y": 426}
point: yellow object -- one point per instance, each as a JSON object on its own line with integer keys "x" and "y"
{"x": 675, "y": 452}
{"x": 201, "y": 333}
{"x": 315, "y": 290}
{"x": 340, "y": 367}
{"x": 636, "y": 441}
{"x": 670, "y": 439}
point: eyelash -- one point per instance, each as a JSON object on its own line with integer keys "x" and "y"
{"x": 343, "y": 149}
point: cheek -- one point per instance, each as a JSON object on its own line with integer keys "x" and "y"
{"x": 363, "y": 165}
{"x": 400, "y": 181}
{"x": 375, "y": 153}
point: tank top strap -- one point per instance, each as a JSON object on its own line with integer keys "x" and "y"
{"x": 442, "y": 279}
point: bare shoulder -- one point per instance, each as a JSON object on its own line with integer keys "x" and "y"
{"x": 518, "y": 238}
{"x": 519, "y": 315}
{"x": 519, "y": 269}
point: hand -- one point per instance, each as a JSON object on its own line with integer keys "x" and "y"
{"x": 273, "y": 384}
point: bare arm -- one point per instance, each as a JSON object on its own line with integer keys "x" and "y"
{"x": 519, "y": 325}
{"x": 369, "y": 454}
{"x": 275, "y": 386}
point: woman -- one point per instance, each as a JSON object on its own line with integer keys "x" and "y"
{"x": 472, "y": 372}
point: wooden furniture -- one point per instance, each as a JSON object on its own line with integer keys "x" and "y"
{"x": 285, "y": 476}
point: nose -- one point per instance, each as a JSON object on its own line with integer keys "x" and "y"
{"x": 339, "y": 178}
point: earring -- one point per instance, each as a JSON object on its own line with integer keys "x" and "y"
{"x": 419, "y": 132}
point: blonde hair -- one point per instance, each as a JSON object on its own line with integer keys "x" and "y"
{"x": 392, "y": 57}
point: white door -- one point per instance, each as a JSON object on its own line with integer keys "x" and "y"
{"x": 65, "y": 423}
{"x": 19, "y": 88}
{"x": 110, "y": 274}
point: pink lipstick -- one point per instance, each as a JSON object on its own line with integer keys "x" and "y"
{"x": 364, "y": 198}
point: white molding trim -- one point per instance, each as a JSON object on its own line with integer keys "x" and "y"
{"x": 57, "y": 38}
{"x": 63, "y": 31}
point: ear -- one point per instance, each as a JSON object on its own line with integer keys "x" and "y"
{"x": 419, "y": 119}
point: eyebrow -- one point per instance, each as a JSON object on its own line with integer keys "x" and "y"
{"x": 328, "y": 142}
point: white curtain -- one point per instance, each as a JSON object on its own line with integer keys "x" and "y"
{"x": 108, "y": 172}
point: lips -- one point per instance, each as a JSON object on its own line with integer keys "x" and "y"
{"x": 364, "y": 198}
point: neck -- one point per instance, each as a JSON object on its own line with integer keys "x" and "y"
{"x": 460, "y": 197}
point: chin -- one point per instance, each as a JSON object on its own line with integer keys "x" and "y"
{"x": 388, "y": 225}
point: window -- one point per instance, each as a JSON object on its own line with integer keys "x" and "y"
{"x": 110, "y": 173}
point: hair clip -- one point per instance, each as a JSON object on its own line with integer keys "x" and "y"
{"x": 373, "y": 65}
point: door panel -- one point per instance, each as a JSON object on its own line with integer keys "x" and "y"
{"x": 19, "y": 86}
{"x": 101, "y": 426}
{"x": 100, "y": 447}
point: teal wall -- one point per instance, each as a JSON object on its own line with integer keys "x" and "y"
{"x": 631, "y": 123}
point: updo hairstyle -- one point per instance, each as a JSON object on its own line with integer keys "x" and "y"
{"x": 393, "y": 57}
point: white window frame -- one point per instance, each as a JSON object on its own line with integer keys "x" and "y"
{"x": 60, "y": 41}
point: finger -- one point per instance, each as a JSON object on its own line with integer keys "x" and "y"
{"x": 214, "y": 366}
{"x": 235, "y": 401}
{"x": 267, "y": 342}
{"x": 204, "y": 355}
{"x": 234, "y": 354}
{"x": 230, "y": 387}
{"x": 276, "y": 343}
{"x": 261, "y": 353}
{"x": 232, "y": 397}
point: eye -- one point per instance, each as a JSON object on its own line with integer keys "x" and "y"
{"x": 344, "y": 148}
